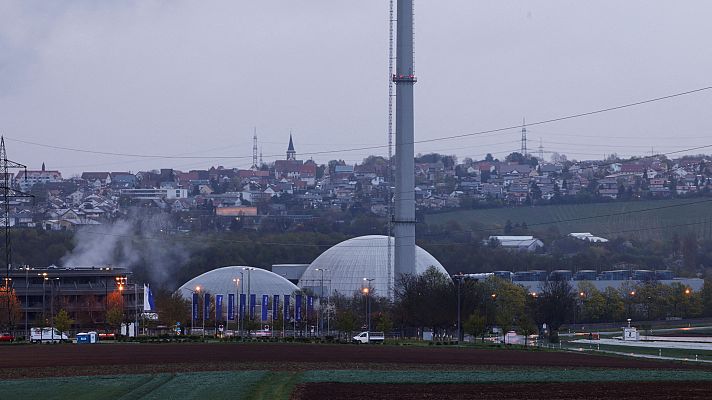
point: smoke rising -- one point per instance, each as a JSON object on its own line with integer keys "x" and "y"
{"x": 141, "y": 243}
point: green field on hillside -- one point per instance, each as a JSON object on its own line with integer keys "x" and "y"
{"x": 650, "y": 219}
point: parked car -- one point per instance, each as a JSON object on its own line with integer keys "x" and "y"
{"x": 107, "y": 336}
{"x": 6, "y": 337}
{"x": 47, "y": 335}
{"x": 262, "y": 333}
{"x": 369, "y": 337}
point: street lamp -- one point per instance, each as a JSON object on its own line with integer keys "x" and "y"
{"x": 458, "y": 278}
{"x": 321, "y": 296}
{"x": 687, "y": 293}
{"x": 27, "y": 304}
{"x": 248, "y": 298}
{"x": 367, "y": 291}
{"x": 44, "y": 316}
{"x": 121, "y": 283}
{"x": 578, "y": 302}
{"x": 197, "y": 289}
{"x": 238, "y": 282}
{"x": 192, "y": 306}
{"x": 494, "y": 297}
{"x": 7, "y": 291}
{"x": 51, "y": 289}
{"x": 630, "y": 302}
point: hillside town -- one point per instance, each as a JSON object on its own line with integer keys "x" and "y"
{"x": 295, "y": 189}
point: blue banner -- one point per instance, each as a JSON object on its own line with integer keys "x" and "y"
{"x": 253, "y": 301}
{"x": 310, "y": 305}
{"x": 230, "y": 307}
{"x": 265, "y": 307}
{"x": 298, "y": 307}
{"x": 206, "y": 306}
{"x": 285, "y": 312}
{"x": 218, "y": 307}
{"x": 196, "y": 306}
{"x": 243, "y": 299}
{"x": 275, "y": 307}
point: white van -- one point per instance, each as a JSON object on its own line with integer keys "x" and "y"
{"x": 47, "y": 335}
{"x": 369, "y": 337}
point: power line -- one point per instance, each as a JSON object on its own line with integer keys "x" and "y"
{"x": 653, "y": 228}
{"x": 572, "y": 116}
{"x": 477, "y": 133}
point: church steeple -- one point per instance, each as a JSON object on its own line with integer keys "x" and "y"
{"x": 43, "y": 167}
{"x": 291, "y": 153}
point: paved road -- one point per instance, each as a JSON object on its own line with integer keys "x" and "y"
{"x": 649, "y": 344}
{"x": 647, "y": 356}
{"x": 661, "y": 330}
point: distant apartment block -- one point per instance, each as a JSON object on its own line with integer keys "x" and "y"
{"x": 155, "y": 194}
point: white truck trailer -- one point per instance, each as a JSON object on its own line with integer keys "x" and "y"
{"x": 369, "y": 337}
{"x": 47, "y": 335}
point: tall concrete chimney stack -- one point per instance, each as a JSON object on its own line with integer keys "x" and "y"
{"x": 404, "y": 78}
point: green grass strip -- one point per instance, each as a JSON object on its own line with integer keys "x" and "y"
{"x": 205, "y": 385}
{"x": 275, "y": 385}
{"x": 523, "y": 376}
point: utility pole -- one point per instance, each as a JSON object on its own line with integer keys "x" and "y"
{"x": 7, "y": 193}
{"x": 458, "y": 278}
{"x": 255, "y": 167}
{"x": 524, "y": 138}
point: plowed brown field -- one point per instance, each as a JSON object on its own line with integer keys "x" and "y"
{"x": 529, "y": 391}
{"x": 48, "y": 360}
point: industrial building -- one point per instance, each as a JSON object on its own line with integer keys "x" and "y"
{"x": 238, "y": 280}
{"x": 292, "y": 272}
{"x": 517, "y": 243}
{"x": 82, "y": 291}
{"x": 358, "y": 262}
{"x": 534, "y": 280}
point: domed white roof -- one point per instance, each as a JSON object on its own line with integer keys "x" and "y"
{"x": 220, "y": 281}
{"x": 349, "y": 262}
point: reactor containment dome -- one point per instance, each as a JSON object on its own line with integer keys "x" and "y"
{"x": 345, "y": 265}
{"x": 238, "y": 279}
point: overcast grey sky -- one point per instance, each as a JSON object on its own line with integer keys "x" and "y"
{"x": 195, "y": 77}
